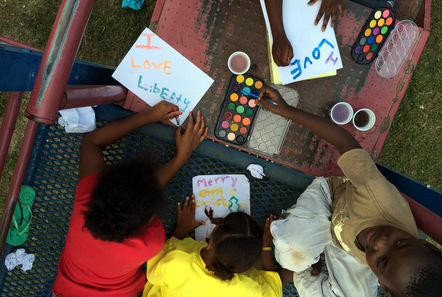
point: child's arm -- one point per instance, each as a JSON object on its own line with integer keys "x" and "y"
{"x": 209, "y": 214}
{"x": 282, "y": 50}
{"x": 329, "y": 9}
{"x": 91, "y": 157}
{"x": 185, "y": 219}
{"x": 186, "y": 143}
{"x": 267, "y": 255}
{"x": 323, "y": 128}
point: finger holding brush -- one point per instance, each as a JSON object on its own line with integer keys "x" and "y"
{"x": 272, "y": 100}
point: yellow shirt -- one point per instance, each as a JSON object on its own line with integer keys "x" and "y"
{"x": 365, "y": 199}
{"x": 179, "y": 271}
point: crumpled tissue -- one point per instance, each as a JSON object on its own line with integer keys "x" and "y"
{"x": 78, "y": 120}
{"x": 134, "y": 4}
{"x": 256, "y": 171}
{"x": 19, "y": 257}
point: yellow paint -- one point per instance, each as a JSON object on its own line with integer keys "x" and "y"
{"x": 240, "y": 78}
{"x": 211, "y": 192}
{"x": 367, "y": 32}
{"x": 212, "y": 202}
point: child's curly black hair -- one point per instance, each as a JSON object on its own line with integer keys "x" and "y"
{"x": 126, "y": 197}
{"x": 238, "y": 245}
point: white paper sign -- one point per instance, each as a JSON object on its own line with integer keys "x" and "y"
{"x": 315, "y": 52}
{"x": 154, "y": 71}
{"x": 224, "y": 194}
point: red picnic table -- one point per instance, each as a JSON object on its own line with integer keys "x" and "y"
{"x": 207, "y": 32}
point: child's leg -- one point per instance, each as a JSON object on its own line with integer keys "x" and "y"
{"x": 300, "y": 237}
{"x": 346, "y": 277}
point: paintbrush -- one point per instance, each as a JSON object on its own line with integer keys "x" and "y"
{"x": 256, "y": 96}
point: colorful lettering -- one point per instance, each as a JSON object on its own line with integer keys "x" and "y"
{"x": 139, "y": 83}
{"x": 330, "y": 57}
{"x": 315, "y": 53}
{"x": 213, "y": 192}
{"x": 296, "y": 71}
{"x": 148, "y": 45}
{"x": 133, "y": 65}
{"x": 163, "y": 94}
{"x": 307, "y": 59}
{"x": 325, "y": 41}
{"x": 167, "y": 67}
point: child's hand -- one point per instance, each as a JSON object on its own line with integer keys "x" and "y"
{"x": 266, "y": 92}
{"x": 330, "y": 9}
{"x": 209, "y": 213}
{"x": 163, "y": 111}
{"x": 267, "y": 238}
{"x": 195, "y": 133}
{"x": 185, "y": 219}
{"x": 282, "y": 50}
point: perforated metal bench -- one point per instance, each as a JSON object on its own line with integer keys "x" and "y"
{"x": 53, "y": 173}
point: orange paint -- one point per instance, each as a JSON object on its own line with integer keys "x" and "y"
{"x": 246, "y": 121}
{"x": 381, "y": 22}
{"x": 133, "y": 65}
{"x": 148, "y": 65}
{"x": 148, "y": 45}
{"x": 367, "y": 32}
{"x": 237, "y": 118}
{"x": 379, "y": 38}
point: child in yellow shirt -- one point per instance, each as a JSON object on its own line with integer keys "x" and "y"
{"x": 223, "y": 267}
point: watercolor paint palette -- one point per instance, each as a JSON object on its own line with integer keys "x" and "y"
{"x": 239, "y": 109}
{"x": 373, "y": 35}
{"x": 269, "y": 130}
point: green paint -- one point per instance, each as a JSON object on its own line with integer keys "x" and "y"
{"x": 231, "y": 106}
{"x": 374, "y": 47}
{"x": 232, "y": 201}
{"x": 384, "y": 29}
{"x": 249, "y": 112}
{"x": 240, "y": 109}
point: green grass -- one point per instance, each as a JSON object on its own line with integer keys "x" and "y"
{"x": 412, "y": 146}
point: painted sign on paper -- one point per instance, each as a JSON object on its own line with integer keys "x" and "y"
{"x": 154, "y": 71}
{"x": 315, "y": 52}
{"x": 224, "y": 193}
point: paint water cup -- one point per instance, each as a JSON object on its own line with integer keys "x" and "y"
{"x": 364, "y": 119}
{"x": 341, "y": 113}
{"x": 238, "y": 63}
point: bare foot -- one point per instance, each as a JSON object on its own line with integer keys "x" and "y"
{"x": 316, "y": 268}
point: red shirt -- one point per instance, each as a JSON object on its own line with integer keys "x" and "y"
{"x": 92, "y": 267}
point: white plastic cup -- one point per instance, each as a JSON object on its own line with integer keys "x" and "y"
{"x": 238, "y": 63}
{"x": 341, "y": 113}
{"x": 364, "y": 119}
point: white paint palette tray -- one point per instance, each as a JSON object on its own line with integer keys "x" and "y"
{"x": 269, "y": 130}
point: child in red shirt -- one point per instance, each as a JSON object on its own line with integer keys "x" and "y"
{"x": 114, "y": 227}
